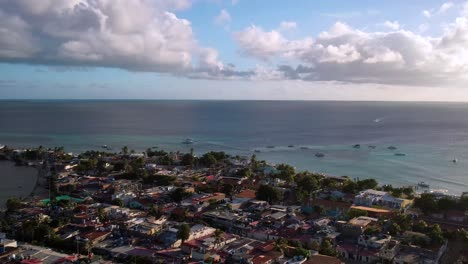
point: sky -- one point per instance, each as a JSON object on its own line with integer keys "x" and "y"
{"x": 234, "y": 49}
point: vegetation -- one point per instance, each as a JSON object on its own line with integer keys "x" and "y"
{"x": 326, "y": 248}
{"x": 183, "y": 233}
{"x": 179, "y": 194}
{"x": 13, "y": 204}
{"x": 269, "y": 193}
{"x": 352, "y": 213}
{"x": 286, "y": 172}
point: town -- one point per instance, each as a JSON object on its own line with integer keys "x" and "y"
{"x": 171, "y": 207}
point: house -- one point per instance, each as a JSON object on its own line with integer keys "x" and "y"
{"x": 371, "y": 197}
{"x": 389, "y": 251}
{"x": 416, "y": 255}
{"x": 355, "y": 252}
{"x": 93, "y": 237}
{"x": 356, "y": 226}
{"x": 374, "y": 242}
{"x": 267, "y": 257}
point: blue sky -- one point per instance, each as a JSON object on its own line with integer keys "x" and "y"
{"x": 215, "y": 49}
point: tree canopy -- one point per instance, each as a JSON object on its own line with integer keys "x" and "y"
{"x": 269, "y": 193}
{"x": 183, "y": 233}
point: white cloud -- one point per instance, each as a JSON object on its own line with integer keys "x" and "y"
{"x": 139, "y": 35}
{"x": 445, "y": 7}
{"x": 223, "y": 17}
{"x": 256, "y": 42}
{"x": 343, "y": 53}
{"x": 394, "y": 25}
{"x": 426, "y": 13}
{"x": 287, "y": 25}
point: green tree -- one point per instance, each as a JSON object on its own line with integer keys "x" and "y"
{"x": 308, "y": 183}
{"x": 299, "y": 251}
{"x": 188, "y": 160}
{"x": 436, "y": 235}
{"x": 352, "y": 213}
{"x": 394, "y": 229}
{"x": 208, "y": 160}
{"x": 179, "y": 194}
{"x": 125, "y": 150}
{"x": 118, "y": 202}
{"x": 183, "y": 233}
{"x": 367, "y": 184}
{"x": 286, "y": 172}
{"x": 269, "y": 194}
{"x": 326, "y": 248}
{"x": 350, "y": 187}
{"x": 13, "y": 204}
{"x": 155, "y": 211}
{"x": 420, "y": 226}
{"x": 218, "y": 235}
{"x": 427, "y": 203}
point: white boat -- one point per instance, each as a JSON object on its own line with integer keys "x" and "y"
{"x": 187, "y": 141}
{"x": 423, "y": 184}
{"x": 2, "y": 146}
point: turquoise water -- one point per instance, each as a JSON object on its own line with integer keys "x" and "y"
{"x": 430, "y": 134}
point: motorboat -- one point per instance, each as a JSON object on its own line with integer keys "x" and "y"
{"x": 400, "y": 154}
{"x": 423, "y": 184}
{"x": 187, "y": 141}
{"x": 392, "y": 147}
{"x": 319, "y": 155}
{"x": 357, "y": 146}
{"x": 271, "y": 146}
{"x": 291, "y": 146}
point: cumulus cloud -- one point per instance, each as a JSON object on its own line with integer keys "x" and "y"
{"x": 223, "y": 17}
{"x": 438, "y": 11}
{"x": 392, "y": 24}
{"x": 346, "y": 54}
{"x": 140, "y": 35}
{"x": 445, "y": 7}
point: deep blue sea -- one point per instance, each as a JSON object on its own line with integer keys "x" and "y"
{"x": 430, "y": 134}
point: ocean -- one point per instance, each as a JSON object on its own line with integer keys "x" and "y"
{"x": 430, "y": 135}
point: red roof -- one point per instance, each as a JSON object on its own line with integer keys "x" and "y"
{"x": 247, "y": 193}
{"x": 322, "y": 259}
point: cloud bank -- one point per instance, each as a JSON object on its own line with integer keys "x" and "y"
{"x": 346, "y": 54}
{"x": 147, "y": 35}
{"x": 139, "y": 35}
